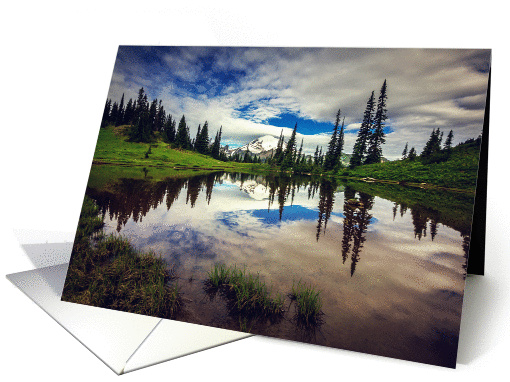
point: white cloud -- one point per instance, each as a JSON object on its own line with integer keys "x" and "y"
{"x": 426, "y": 89}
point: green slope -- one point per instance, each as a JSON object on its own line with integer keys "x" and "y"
{"x": 460, "y": 171}
{"x": 114, "y": 149}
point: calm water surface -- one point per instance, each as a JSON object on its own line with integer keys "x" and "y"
{"x": 391, "y": 276}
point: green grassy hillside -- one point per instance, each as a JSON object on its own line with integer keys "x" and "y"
{"x": 460, "y": 171}
{"x": 113, "y": 148}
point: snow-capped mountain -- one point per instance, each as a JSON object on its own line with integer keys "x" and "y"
{"x": 263, "y": 147}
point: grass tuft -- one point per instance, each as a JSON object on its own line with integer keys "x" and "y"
{"x": 110, "y": 273}
{"x": 308, "y": 303}
{"x": 247, "y": 293}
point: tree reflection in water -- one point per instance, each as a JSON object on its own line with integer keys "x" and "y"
{"x": 134, "y": 198}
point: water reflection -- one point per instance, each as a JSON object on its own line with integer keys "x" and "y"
{"x": 356, "y": 221}
{"x": 391, "y": 265}
{"x": 128, "y": 199}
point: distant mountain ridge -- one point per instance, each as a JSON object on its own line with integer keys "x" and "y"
{"x": 265, "y": 146}
{"x": 262, "y": 147}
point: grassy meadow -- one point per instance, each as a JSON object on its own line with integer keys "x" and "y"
{"x": 458, "y": 172}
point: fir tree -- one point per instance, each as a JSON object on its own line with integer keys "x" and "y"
{"x": 114, "y": 113}
{"x": 290, "y": 151}
{"x": 360, "y": 146}
{"x": 106, "y": 113}
{"x": 374, "y": 151}
{"x": 140, "y": 104}
{"x": 197, "y": 138}
{"x": 247, "y": 158}
{"x": 316, "y": 156}
{"x": 448, "y": 142}
{"x": 140, "y": 131}
{"x": 412, "y": 154}
{"x": 120, "y": 113}
{"x": 404, "y": 153}
{"x": 278, "y": 155}
{"x": 153, "y": 110}
{"x": 215, "y": 148}
{"x": 300, "y": 152}
{"x": 202, "y": 141}
{"x": 128, "y": 113}
{"x": 330, "y": 160}
{"x": 160, "y": 117}
{"x": 339, "y": 146}
{"x": 182, "y": 136}
{"x": 169, "y": 130}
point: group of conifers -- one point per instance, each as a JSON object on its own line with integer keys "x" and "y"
{"x": 145, "y": 119}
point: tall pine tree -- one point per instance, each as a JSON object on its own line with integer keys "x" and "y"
{"x": 215, "y": 148}
{"x": 339, "y": 146}
{"x": 360, "y": 146}
{"x": 106, "y": 113}
{"x": 169, "y": 130}
{"x": 182, "y": 136}
{"x": 120, "y": 113}
{"x": 404, "y": 153}
{"x": 329, "y": 162}
{"x": 448, "y": 143}
{"x": 202, "y": 141}
{"x": 290, "y": 151}
{"x": 377, "y": 138}
{"x": 278, "y": 154}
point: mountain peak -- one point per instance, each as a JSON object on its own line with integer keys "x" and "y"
{"x": 262, "y": 146}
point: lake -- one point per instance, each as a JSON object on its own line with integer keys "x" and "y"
{"x": 390, "y": 261}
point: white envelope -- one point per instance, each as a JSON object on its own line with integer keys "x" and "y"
{"x": 123, "y": 341}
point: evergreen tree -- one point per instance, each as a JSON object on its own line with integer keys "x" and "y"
{"x": 360, "y": 146}
{"x": 140, "y": 131}
{"x": 106, "y": 113}
{"x": 432, "y": 146}
{"x": 432, "y": 152}
{"x": 215, "y": 148}
{"x": 339, "y": 146}
{"x": 404, "y": 153}
{"x": 202, "y": 141}
{"x": 330, "y": 160}
{"x": 412, "y": 154}
{"x": 448, "y": 142}
{"x": 128, "y": 113}
{"x": 278, "y": 154}
{"x": 120, "y": 113}
{"x": 114, "y": 113}
{"x": 169, "y": 130}
{"x": 376, "y": 140}
{"x": 140, "y": 104}
{"x": 160, "y": 117}
{"x": 197, "y": 138}
{"x": 290, "y": 151}
{"x": 182, "y": 136}
{"x": 316, "y": 156}
{"x": 189, "y": 145}
{"x": 153, "y": 110}
{"x": 300, "y": 152}
{"x": 247, "y": 158}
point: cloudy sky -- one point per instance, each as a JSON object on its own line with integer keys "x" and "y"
{"x": 257, "y": 91}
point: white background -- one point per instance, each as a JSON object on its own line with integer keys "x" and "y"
{"x": 56, "y": 61}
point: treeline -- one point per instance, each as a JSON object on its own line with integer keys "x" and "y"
{"x": 149, "y": 119}
{"x": 247, "y": 157}
{"x": 367, "y": 148}
{"x": 296, "y": 160}
{"x": 435, "y": 151}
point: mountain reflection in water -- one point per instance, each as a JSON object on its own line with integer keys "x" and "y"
{"x": 391, "y": 274}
